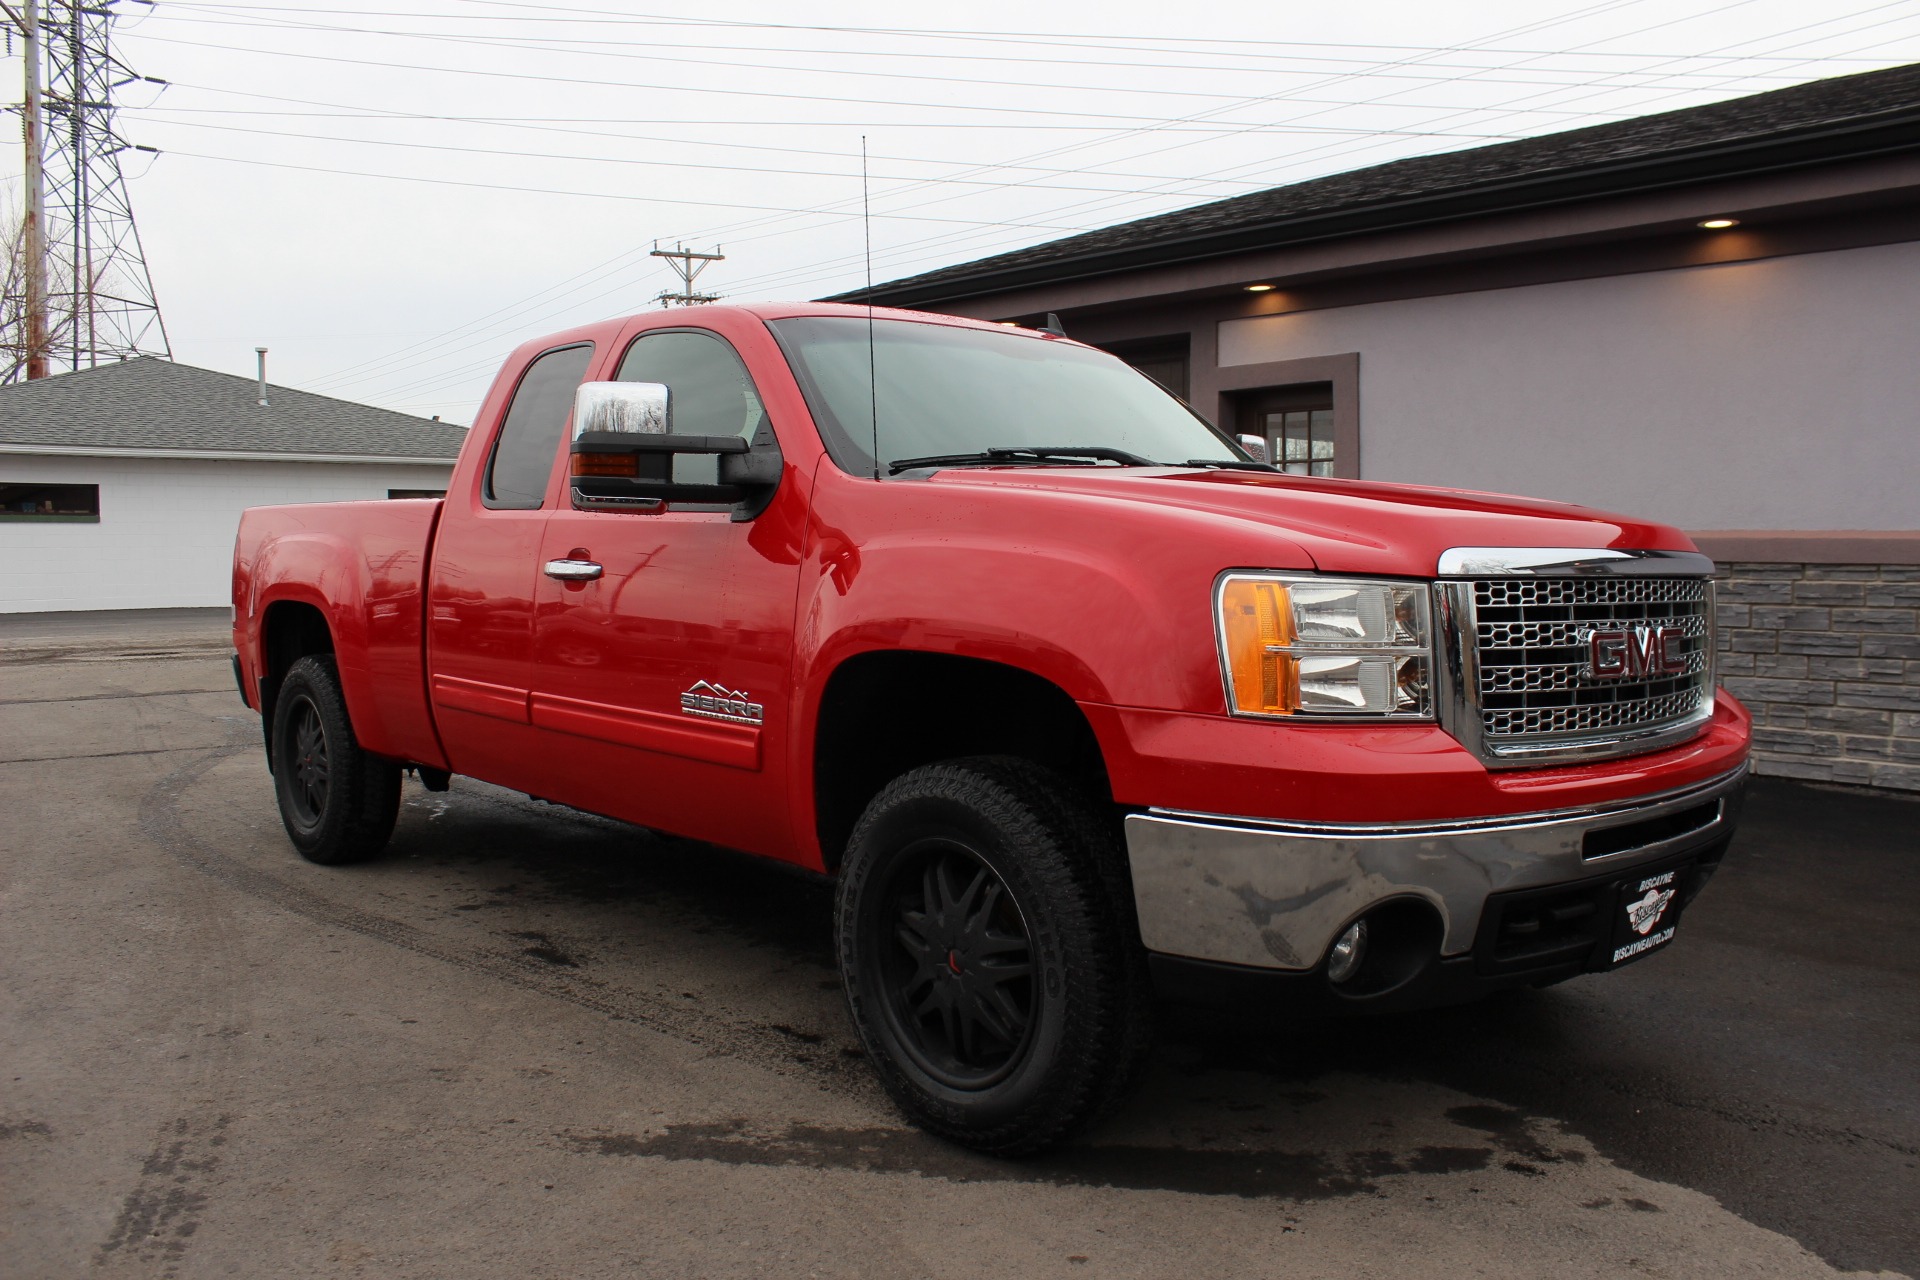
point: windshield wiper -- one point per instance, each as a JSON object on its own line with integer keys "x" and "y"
{"x": 1031, "y": 455}
{"x": 1229, "y": 464}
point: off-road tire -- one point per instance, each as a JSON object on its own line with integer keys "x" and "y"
{"x": 349, "y": 815}
{"x": 1056, "y": 853}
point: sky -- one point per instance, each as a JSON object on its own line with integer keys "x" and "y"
{"x": 391, "y": 199}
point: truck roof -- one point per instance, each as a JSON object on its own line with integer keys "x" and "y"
{"x": 711, "y": 312}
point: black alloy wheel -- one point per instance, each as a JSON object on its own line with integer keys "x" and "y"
{"x": 989, "y": 953}
{"x": 958, "y": 986}
{"x": 337, "y": 801}
{"x": 308, "y": 762}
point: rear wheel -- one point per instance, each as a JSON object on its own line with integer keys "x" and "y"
{"x": 337, "y": 802}
{"x": 989, "y": 953}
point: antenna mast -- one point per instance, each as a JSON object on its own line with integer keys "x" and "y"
{"x": 686, "y": 264}
{"x": 89, "y": 296}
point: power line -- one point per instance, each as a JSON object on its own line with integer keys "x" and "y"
{"x": 1591, "y": 9}
{"x": 762, "y": 170}
{"x": 100, "y": 303}
{"x": 598, "y": 47}
{"x": 590, "y": 195}
{"x": 1083, "y": 208}
{"x": 1141, "y": 128}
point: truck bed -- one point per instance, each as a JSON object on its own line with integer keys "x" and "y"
{"x": 362, "y": 566}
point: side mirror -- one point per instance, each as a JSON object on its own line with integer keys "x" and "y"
{"x": 624, "y": 446}
{"x": 1256, "y": 447}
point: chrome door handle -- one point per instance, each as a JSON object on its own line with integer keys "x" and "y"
{"x": 574, "y": 570}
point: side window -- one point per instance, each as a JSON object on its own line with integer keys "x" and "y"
{"x": 529, "y": 440}
{"x": 710, "y": 392}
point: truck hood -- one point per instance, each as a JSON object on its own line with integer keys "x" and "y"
{"x": 1350, "y": 526}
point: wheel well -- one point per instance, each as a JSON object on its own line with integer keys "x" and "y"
{"x": 290, "y": 631}
{"x": 886, "y": 713}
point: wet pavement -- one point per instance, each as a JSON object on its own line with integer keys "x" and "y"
{"x": 530, "y": 1042}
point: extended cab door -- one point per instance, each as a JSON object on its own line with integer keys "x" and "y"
{"x": 480, "y": 597}
{"x": 662, "y": 682}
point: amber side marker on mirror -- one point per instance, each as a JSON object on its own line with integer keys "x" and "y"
{"x": 1719, "y": 224}
{"x": 606, "y": 464}
{"x": 1259, "y": 288}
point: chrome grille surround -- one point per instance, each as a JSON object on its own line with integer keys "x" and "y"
{"x": 1513, "y": 626}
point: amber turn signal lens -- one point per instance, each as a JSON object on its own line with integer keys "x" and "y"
{"x": 1256, "y": 619}
{"x": 606, "y": 464}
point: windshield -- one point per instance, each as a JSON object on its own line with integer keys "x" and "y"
{"x": 944, "y": 391}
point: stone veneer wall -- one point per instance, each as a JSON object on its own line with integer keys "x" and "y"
{"x": 1827, "y": 657}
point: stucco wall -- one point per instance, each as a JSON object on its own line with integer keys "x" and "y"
{"x": 1778, "y": 394}
{"x": 165, "y": 536}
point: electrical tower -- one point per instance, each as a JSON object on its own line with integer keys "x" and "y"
{"x": 686, "y": 264}
{"x": 86, "y": 296}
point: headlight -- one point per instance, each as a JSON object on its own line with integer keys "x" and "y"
{"x": 1357, "y": 648}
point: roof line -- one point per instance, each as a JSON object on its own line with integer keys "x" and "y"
{"x": 1870, "y": 134}
{"x": 217, "y": 455}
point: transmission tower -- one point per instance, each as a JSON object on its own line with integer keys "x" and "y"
{"x": 686, "y": 264}
{"x": 87, "y": 296}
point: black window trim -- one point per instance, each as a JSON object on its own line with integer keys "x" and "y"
{"x": 53, "y": 517}
{"x": 717, "y": 336}
{"x": 493, "y": 450}
{"x": 757, "y": 444}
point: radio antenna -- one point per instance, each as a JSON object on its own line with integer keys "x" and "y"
{"x": 873, "y": 378}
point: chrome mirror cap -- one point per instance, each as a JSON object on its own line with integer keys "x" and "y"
{"x": 622, "y": 408}
{"x": 1256, "y": 447}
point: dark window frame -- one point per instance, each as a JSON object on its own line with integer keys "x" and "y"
{"x": 13, "y": 492}
{"x": 704, "y": 470}
{"x": 1243, "y": 384}
{"x": 487, "y": 499}
{"x": 1305, "y": 413}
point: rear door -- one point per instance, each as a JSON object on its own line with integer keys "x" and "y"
{"x": 480, "y": 599}
{"x": 663, "y": 683}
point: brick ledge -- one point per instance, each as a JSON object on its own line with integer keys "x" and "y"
{"x": 1811, "y": 546}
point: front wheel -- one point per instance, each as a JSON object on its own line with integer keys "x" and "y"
{"x": 337, "y": 802}
{"x": 989, "y": 954}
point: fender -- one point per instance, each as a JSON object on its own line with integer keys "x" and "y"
{"x": 1062, "y": 586}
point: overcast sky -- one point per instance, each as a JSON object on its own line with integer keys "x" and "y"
{"x": 390, "y": 199}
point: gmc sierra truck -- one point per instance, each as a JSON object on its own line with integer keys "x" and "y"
{"x": 1085, "y": 706}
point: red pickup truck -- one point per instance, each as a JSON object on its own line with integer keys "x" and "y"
{"x": 1085, "y": 706}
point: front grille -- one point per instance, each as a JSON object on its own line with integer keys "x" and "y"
{"x": 1533, "y": 636}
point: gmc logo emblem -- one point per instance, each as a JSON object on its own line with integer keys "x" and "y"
{"x": 1636, "y": 653}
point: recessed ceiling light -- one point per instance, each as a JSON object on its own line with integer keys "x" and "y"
{"x": 1719, "y": 224}
{"x": 1259, "y": 288}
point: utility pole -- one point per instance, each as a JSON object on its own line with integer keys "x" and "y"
{"x": 33, "y": 231}
{"x": 686, "y": 264}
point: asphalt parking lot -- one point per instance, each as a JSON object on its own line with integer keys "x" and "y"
{"x": 531, "y": 1043}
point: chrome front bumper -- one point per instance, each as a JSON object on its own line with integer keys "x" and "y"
{"x": 1274, "y": 895}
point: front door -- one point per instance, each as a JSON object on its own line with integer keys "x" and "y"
{"x": 481, "y": 589}
{"x": 661, "y": 682}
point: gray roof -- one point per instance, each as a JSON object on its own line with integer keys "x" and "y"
{"x": 149, "y": 403}
{"x": 1872, "y": 113}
